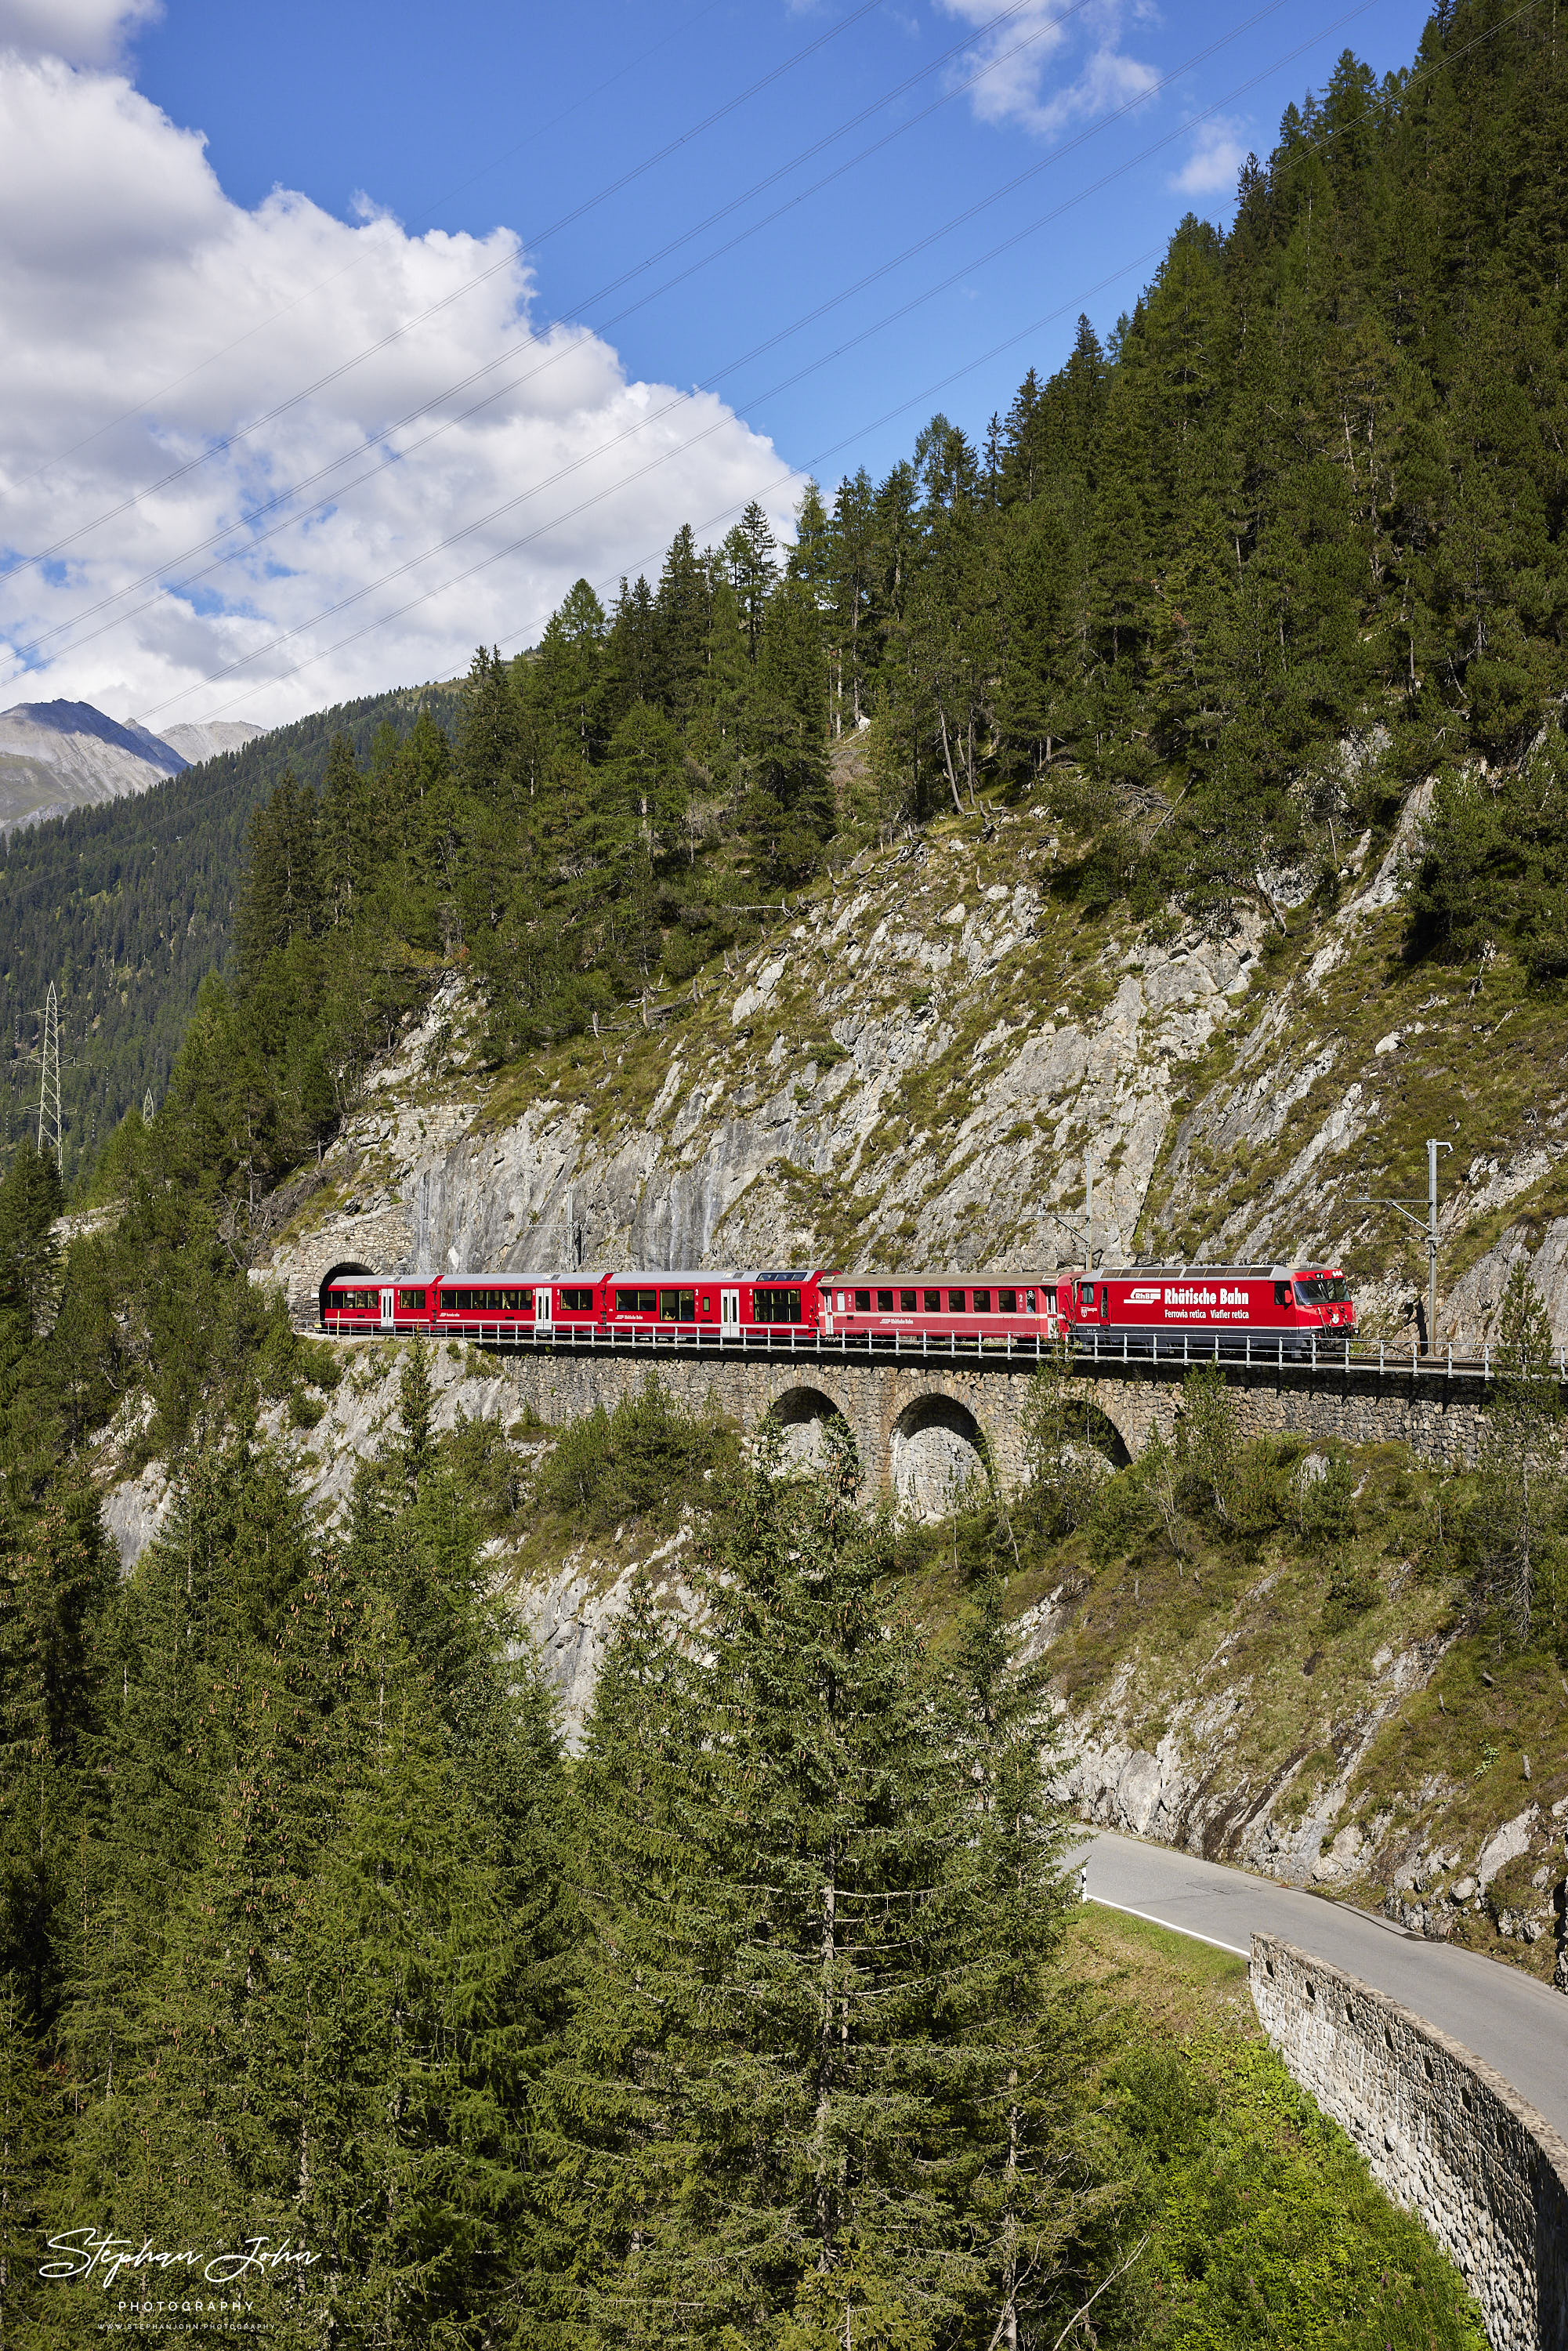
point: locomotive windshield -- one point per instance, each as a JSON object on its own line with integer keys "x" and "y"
{"x": 1322, "y": 1290}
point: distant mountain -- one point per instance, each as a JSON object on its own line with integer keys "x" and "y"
{"x": 59, "y": 756}
{"x": 125, "y": 902}
{"x": 197, "y": 739}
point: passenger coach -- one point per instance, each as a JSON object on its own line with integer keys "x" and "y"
{"x": 1154, "y": 1310}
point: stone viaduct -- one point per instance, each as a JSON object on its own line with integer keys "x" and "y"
{"x": 923, "y": 1425}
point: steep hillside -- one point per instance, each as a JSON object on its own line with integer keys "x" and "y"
{"x": 910, "y": 1071}
{"x": 916, "y": 1064}
{"x": 128, "y": 905}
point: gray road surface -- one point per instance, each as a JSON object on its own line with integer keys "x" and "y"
{"x": 1519, "y": 2026}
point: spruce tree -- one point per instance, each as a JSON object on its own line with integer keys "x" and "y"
{"x": 825, "y": 1895}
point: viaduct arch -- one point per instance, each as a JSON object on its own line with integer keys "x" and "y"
{"x": 923, "y": 1428}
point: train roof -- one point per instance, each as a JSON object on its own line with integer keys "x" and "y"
{"x": 377, "y": 1280}
{"x": 1216, "y": 1272}
{"x": 645, "y": 1274}
{"x": 951, "y": 1279}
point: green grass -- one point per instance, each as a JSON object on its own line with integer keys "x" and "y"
{"x": 1253, "y": 1650}
{"x": 1264, "y": 2226}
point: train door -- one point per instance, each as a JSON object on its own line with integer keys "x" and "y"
{"x": 1092, "y": 1302}
{"x": 389, "y": 1301}
{"x": 728, "y": 1310}
{"x": 544, "y": 1302}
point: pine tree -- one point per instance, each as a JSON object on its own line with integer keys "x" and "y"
{"x": 680, "y": 624}
{"x": 25, "y": 2137}
{"x": 821, "y": 1909}
{"x": 749, "y": 550}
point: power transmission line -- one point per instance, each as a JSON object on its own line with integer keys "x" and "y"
{"x": 684, "y": 400}
{"x": 357, "y": 261}
{"x": 384, "y": 619}
{"x": 566, "y": 220}
{"x": 383, "y": 433}
{"x": 49, "y": 1082}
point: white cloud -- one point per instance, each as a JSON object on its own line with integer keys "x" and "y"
{"x": 1219, "y": 150}
{"x": 124, "y": 269}
{"x": 1058, "y": 69}
{"x": 88, "y": 32}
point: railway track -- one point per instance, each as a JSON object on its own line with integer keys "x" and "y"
{"x": 1093, "y": 1350}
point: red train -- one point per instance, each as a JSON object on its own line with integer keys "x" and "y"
{"x": 1138, "y": 1309}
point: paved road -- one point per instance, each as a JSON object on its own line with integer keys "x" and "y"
{"x": 1518, "y": 2026}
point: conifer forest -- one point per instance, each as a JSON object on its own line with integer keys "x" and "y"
{"x": 757, "y": 2021}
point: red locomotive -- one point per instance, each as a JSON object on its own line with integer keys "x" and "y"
{"x": 1133, "y": 1310}
{"x": 1154, "y": 1305}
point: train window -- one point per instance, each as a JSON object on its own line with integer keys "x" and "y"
{"x": 704, "y": 1304}
{"x": 411, "y": 1302}
{"x": 1006, "y": 1301}
{"x": 906, "y": 1302}
{"x": 884, "y": 1301}
{"x": 954, "y": 1301}
{"x": 934, "y": 1301}
{"x": 862, "y": 1302}
{"x": 677, "y": 1306}
{"x": 636, "y": 1301}
{"x": 1281, "y": 1293}
{"x": 577, "y": 1301}
{"x": 982, "y": 1302}
{"x": 775, "y": 1306}
{"x": 520, "y": 1301}
{"x": 355, "y": 1301}
{"x": 1322, "y": 1290}
{"x": 1086, "y": 1295}
{"x": 1029, "y": 1302}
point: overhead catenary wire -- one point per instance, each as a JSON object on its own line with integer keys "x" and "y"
{"x": 383, "y": 433}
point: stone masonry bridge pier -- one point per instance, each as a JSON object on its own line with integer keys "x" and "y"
{"x": 923, "y": 1424}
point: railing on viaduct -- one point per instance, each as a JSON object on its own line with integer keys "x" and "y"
{"x": 1103, "y": 1351}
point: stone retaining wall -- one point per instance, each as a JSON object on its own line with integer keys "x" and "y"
{"x": 1448, "y": 2138}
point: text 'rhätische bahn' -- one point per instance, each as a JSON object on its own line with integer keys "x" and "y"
{"x": 1151, "y": 1309}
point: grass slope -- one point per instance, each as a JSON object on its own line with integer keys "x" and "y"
{"x": 1264, "y": 2227}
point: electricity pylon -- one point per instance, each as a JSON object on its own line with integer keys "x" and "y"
{"x": 49, "y": 1083}
{"x": 148, "y": 1113}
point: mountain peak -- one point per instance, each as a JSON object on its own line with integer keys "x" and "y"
{"x": 60, "y": 755}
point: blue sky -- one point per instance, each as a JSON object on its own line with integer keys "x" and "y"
{"x": 487, "y": 115}
{"x": 213, "y": 503}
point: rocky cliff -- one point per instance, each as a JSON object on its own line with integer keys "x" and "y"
{"x": 912, "y": 1068}
{"x": 918, "y": 1061}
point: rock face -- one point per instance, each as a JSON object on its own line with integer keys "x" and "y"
{"x": 916, "y": 1075}
{"x": 901, "y": 1078}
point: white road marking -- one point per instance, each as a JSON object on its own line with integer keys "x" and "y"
{"x": 1191, "y": 1932}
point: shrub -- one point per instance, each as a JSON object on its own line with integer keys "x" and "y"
{"x": 1353, "y": 1591}
{"x": 649, "y": 1455}
{"x": 305, "y": 1409}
